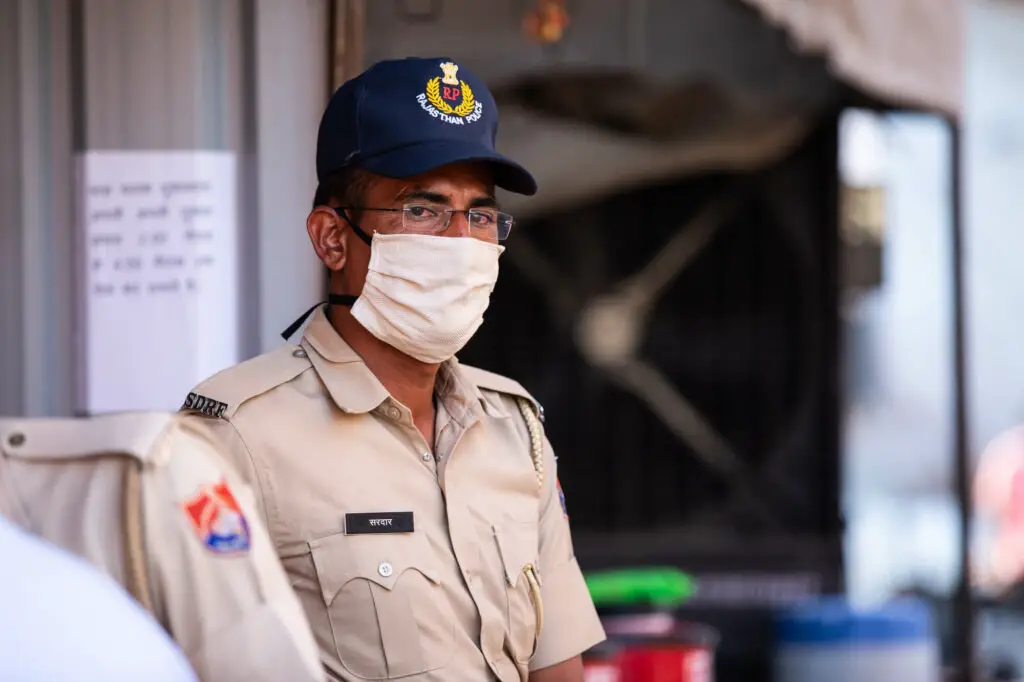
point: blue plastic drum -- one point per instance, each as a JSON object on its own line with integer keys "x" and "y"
{"x": 831, "y": 641}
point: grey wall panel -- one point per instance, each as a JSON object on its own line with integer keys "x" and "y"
{"x": 48, "y": 249}
{"x": 11, "y": 341}
{"x": 35, "y": 240}
{"x": 164, "y": 74}
{"x": 291, "y": 62}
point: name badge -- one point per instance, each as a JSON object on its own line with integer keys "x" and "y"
{"x": 379, "y": 522}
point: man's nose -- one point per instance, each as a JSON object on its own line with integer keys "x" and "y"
{"x": 459, "y": 225}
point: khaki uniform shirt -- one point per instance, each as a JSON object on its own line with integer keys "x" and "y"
{"x": 457, "y": 596}
{"x": 210, "y": 570}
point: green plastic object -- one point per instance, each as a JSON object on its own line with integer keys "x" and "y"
{"x": 650, "y": 586}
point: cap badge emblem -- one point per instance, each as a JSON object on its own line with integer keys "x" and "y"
{"x": 450, "y": 99}
{"x": 449, "y": 73}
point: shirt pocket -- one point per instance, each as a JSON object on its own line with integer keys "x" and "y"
{"x": 518, "y": 547}
{"x": 387, "y": 608}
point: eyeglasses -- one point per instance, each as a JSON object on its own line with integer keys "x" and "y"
{"x": 425, "y": 218}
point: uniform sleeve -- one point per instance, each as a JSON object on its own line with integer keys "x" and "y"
{"x": 571, "y": 625}
{"x": 218, "y": 584}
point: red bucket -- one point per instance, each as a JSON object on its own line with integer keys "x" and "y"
{"x": 679, "y": 652}
{"x": 665, "y": 662}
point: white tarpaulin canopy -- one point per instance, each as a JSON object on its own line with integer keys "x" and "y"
{"x": 904, "y": 51}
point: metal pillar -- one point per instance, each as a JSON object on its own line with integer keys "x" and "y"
{"x": 964, "y": 604}
{"x": 347, "y": 27}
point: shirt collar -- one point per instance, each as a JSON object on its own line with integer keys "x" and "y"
{"x": 461, "y": 397}
{"x": 356, "y": 390}
{"x": 351, "y": 384}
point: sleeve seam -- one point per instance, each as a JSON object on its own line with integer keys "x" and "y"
{"x": 257, "y": 476}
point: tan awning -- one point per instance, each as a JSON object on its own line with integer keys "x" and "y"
{"x": 908, "y": 52}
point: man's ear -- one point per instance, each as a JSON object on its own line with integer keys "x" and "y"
{"x": 330, "y": 238}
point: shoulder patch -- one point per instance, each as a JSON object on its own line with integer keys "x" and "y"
{"x": 220, "y": 396}
{"x": 489, "y": 381}
{"x": 218, "y": 520}
{"x": 207, "y": 407}
{"x": 130, "y": 434}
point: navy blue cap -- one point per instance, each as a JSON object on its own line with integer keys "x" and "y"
{"x": 403, "y": 117}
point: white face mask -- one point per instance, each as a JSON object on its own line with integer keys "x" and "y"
{"x": 426, "y": 295}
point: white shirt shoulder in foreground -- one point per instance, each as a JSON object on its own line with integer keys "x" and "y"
{"x": 62, "y": 619}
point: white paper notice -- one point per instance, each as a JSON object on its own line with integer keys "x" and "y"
{"x": 160, "y": 262}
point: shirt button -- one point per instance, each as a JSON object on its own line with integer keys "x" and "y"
{"x": 298, "y": 353}
{"x": 393, "y": 412}
{"x": 426, "y": 456}
{"x": 385, "y": 569}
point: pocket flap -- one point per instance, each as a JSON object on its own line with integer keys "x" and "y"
{"x": 517, "y": 544}
{"x": 382, "y": 559}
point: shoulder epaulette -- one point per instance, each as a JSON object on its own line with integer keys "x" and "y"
{"x": 529, "y": 408}
{"x": 489, "y": 381}
{"x": 131, "y": 433}
{"x": 220, "y": 396}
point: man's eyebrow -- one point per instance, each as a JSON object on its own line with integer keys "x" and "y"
{"x": 414, "y": 193}
{"x": 423, "y": 195}
{"x": 484, "y": 202}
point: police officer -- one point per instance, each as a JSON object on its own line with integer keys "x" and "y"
{"x": 413, "y": 500}
{"x": 150, "y": 501}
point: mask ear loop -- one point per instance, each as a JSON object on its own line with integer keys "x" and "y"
{"x": 367, "y": 239}
{"x": 332, "y": 299}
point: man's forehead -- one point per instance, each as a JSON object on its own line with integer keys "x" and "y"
{"x": 462, "y": 173}
{"x": 464, "y": 180}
